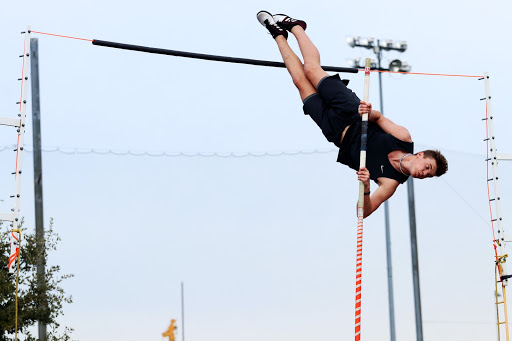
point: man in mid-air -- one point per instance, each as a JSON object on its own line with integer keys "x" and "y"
{"x": 337, "y": 111}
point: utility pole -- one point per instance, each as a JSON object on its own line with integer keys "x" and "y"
{"x": 38, "y": 173}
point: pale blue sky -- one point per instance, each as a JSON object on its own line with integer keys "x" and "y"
{"x": 265, "y": 245}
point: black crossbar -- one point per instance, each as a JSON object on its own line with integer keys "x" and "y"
{"x": 208, "y": 56}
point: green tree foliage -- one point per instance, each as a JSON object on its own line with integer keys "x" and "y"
{"x": 35, "y": 302}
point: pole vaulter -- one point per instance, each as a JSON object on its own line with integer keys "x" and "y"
{"x": 344, "y": 121}
{"x": 337, "y": 111}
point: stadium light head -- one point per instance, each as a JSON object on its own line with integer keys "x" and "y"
{"x": 395, "y": 65}
{"x": 367, "y": 42}
{"x": 399, "y": 66}
{"x": 386, "y": 44}
{"x": 354, "y": 62}
{"x": 401, "y": 46}
{"x": 353, "y": 41}
{"x": 405, "y": 67}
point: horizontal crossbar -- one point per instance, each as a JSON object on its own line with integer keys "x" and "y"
{"x": 504, "y": 156}
{"x": 208, "y": 56}
{"x": 7, "y": 216}
{"x": 6, "y": 121}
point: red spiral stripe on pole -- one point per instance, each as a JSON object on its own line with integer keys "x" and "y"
{"x": 359, "y": 274}
{"x": 12, "y": 258}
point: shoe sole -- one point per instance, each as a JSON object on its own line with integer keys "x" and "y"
{"x": 288, "y": 17}
{"x": 263, "y": 23}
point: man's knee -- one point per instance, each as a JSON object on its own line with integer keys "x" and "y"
{"x": 314, "y": 72}
{"x": 310, "y": 69}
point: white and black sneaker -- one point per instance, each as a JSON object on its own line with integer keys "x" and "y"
{"x": 266, "y": 19}
{"x": 286, "y": 22}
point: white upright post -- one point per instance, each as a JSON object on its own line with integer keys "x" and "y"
{"x": 19, "y": 124}
{"x": 500, "y": 252}
{"x": 494, "y": 179}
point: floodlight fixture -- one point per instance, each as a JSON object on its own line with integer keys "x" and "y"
{"x": 386, "y": 44}
{"x": 366, "y": 42}
{"x": 395, "y": 65}
{"x": 378, "y": 46}
{"x": 352, "y": 63}
{"x": 353, "y": 41}
{"x": 405, "y": 67}
{"x": 357, "y": 62}
{"x": 399, "y": 66}
{"x": 401, "y": 46}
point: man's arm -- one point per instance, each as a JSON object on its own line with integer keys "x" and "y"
{"x": 385, "y": 123}
{"x": 381, "y": 194}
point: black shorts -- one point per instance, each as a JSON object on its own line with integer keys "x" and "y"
{"x": 333, "y": 107}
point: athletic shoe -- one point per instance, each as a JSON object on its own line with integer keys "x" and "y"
{"x": 284, "y": 21}
{"x": 266, "y": 19}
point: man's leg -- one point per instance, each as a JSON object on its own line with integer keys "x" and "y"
{"x": 312, "y": 67}
{"x": 291, "y": 61}
{"x": 295, "y": 68}
{"x": 325, "y": 108}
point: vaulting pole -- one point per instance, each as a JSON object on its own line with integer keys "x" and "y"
{"x": 360, "y": 204}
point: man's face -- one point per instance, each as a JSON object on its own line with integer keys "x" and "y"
{"x": 423, "y": 167}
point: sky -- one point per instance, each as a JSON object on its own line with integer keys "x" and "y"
{"x": 250, "y": 210}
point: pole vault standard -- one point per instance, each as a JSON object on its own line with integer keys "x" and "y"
{"x": 13, "y": 216}
{"x": 19, "y": 124}
{"x": 360, "y": 203}
{"x": 499, "y": 241}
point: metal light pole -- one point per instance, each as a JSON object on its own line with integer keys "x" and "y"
{"x": 391, "y": 299}
{"x": 414, "y": 260}
{"x": 396, "y": 65}
{"x": 38, "y": 174}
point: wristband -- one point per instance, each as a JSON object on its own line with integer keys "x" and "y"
{"x": 366, "y": 193}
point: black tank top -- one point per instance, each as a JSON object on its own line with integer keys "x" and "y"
{"x": 379, "y": 145}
